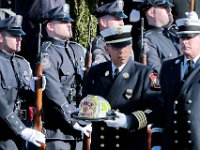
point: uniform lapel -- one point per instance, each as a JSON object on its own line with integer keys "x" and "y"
{"x": 120, "y": 84}
{"x": 192, "y": 78}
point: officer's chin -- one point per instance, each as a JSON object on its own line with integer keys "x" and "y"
{"x": 18, "y": 50}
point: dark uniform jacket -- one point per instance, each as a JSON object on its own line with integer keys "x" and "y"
{"x": 15, "y": 75}
{"x": 132, "y": 90}
{"x": 181, "y": 118}
{"x": 60, "y": 93}
{"x": 159, "y": 46}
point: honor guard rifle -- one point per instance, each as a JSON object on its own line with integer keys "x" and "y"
{"x": 192, "y": 5}
{"x": 88, "y": 60}
{"x": 143, "y": 60}
{"x": 38, "y": 124}
{"x": 143, "y": 55}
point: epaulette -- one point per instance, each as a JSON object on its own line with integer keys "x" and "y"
{"x": 18, "y": 56}
{"x": 45, "y": 45}
{"x": 77, "y": 44}
{"x": 22, "y": 58}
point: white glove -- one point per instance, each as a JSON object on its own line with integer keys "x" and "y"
{"x": 33, "y": 80}
{"x": 33, "y": 136}
{"x": 86, "y": 129}
{"x": 156, "y": 148}
{"x": 119, "y": 121}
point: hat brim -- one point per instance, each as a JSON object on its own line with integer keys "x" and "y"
{"x": 115, "y": 14}
{"x": 164, "y": 4}
{"x": 67, "y": 19}
{"x": 121, "y": 44}
{"x": 119, "y": 15}
{"x": 16, "y": 32}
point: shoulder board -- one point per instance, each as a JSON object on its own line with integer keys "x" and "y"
{"x": 45, "y": 45}
{"x": 21, "y": 58}
{"x": 75, "y": 43}
{"x": 18, "y": 56}
{"x": 147, "y": 33}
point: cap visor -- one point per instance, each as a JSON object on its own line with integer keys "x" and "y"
{"x": 16, "y": 32}
{"x": 121, "y": 44}
{"x": 68, "y": 19}
{"x": 119, "y": 15}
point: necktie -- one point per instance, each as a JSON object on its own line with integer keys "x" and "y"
{"x": 189, "y": 69}
{"x": 116, "y": 73}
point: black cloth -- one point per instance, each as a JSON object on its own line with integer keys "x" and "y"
{"x": 134, "y": 81}
{"x": 181, "y": 103}
{"x": 116, "y": 73}
{"x": 189, "y": 69}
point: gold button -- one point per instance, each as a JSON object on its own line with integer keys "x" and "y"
{"x": 175, "y": 131}
{"x": 189, "y": 132}
{"x": 102, "y": 137}
{"x": 176, "y": 102}
{"x": 189, "y": 111}
{"x": 175, "y": 122}
{"x": 117, "y": 136}
{"x": 102, "y": 128}
{"x": 189, "y": 101}
{"x": 189, "y": 141}
{"x": 117, "y": 145}
{"x": 102, "y": 145}
{"x": 176, "y": 141}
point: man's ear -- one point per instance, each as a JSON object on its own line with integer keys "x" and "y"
{"x": 1, "y": 37}
{"x": 50, "y": 26}
{"x": 150, "y": 12}
{"x": 103, "y": 22}
{"x": 106, "y": 47}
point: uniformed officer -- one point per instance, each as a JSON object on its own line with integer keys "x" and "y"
{"x": 180, "y": 87}
{"x": 63, "y": 63}
{"x": 160, "y": 42}
{"x": 15, "y": 89}
{"x": 110, "y": 14}
{"x": 132, "y": 90}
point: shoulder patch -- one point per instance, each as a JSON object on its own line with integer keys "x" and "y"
{"x": 45, "y": 59}
{"x": 155, "y": 80}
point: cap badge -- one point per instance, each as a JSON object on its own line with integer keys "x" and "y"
{"x": 66, "y": 9}
{"x": 18, "y": 21}
{"x": 120, "y": 4}
{"x": 119, "y": 31}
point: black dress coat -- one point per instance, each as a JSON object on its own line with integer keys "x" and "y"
{"x": 132, "y": 90}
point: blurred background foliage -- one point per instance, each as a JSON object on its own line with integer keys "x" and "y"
{"x": 80, "y": 12}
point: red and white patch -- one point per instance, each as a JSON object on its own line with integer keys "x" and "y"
{"x": 155, "y": 80}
